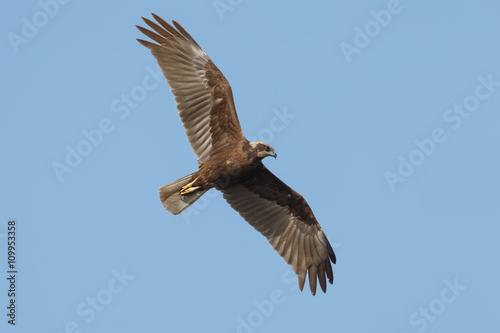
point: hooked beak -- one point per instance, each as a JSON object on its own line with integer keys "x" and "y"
{"x": 274, "y": 154}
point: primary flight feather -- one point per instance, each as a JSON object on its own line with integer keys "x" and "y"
{"x": 229, "y": 162}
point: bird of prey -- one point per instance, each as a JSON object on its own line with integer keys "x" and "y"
{"x": 229, "y": 162}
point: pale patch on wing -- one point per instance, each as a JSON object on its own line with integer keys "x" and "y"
{"x": 202, "y": 93}
{"x": 302, "y": 245}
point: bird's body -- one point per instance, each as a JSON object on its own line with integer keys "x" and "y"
{"x": 226, "y": 167}
{"x": 230, "y": 163}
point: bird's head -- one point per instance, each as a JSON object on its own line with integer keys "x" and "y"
{"x": 262, "y": 149}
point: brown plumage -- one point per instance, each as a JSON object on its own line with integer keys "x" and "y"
{"x": 231, "y": 164}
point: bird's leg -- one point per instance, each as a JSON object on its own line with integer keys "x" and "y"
{"x": 186, "y": 189}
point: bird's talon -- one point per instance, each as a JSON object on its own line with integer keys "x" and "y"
{"x": 186, "y": 189}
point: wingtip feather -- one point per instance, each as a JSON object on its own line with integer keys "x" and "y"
{"x": 302, "y": 281}
{"x": 321, "y": 276}
{"x": 312, "y": 279}
{"x": 146, "y": 43}
{"x": 329, "y": 271}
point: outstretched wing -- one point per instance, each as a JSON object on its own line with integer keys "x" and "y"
{"x": 203, "y": 95}
{"x": 286, "y": 220}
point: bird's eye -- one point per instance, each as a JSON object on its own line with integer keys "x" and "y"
{"x": 267, "y": 148}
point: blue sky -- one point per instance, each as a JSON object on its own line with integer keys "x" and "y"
{"x": 384, "y": 114}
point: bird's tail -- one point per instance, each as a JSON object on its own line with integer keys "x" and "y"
{"x": 172, "y": 199}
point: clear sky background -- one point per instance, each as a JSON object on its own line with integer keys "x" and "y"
{"x": 385, "y": 117}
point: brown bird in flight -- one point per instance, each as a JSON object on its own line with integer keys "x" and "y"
{"x": 229, "y": 162}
